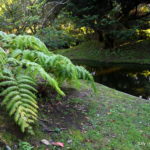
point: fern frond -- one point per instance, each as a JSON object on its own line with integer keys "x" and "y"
{"x": 6, "y": 39}
{"x": 13, "y": 109}
{"x": 28, "y": 87}
{"x": 84, "y": 74}
{"x": 20, "y": 102}
{"x": 40, "y": 71}
{"x": 8, "y": 90}
{"x": 27, "y": 92}
{"x": 9, "y": 96}
{"x": 28, "y": 42}
{"x": 3, "y": 58}
{"x": 26, "y": 81}
{"x": 8, "y": 78}
{"x": 28, "y": 58}
{"x": 30, "y": 103}
{"x": 8, "y": 83}
{"x": 2, "y": 35}
{"x": 11, "y": 103}
{"x": 61, "y": 67}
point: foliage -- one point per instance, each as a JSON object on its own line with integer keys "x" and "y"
{"x": 94, "y": 13}
{"x": 144, "y": 34}
{"x": 124, "y": 35}
{"x": 19, "y": 99}
{"x": 28, "y": 42}
{"x": 25, "y": 146}
{"x": 63, "y": 32}
{"x": 27, "y": 61}
{"x": 39, "y": 17}
{"x": 36, "y": 17}
{"x": 56, "y": 38}
{"x": 111, "y": 15}
{"x": 20, "y": 16}
{"x": 28, "y": 16}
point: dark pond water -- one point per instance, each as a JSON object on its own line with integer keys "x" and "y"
{"x": 129, "y": 78}
{"x": 134, "y": 82}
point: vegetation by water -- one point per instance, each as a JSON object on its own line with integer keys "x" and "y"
{"x": 44, "y": 104}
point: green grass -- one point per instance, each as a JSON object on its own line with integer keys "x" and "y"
{"x": 137, "y": 52}
{"x": 108, "y": 120}
{"x": 115, "y": 121}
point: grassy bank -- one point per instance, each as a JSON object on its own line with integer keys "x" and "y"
{"x": 85, "y": 121}
{"x": 136, "y": 53}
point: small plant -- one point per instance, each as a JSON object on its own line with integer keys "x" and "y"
{"x": 25, "y": 146}
{"x": 24, "y": 61}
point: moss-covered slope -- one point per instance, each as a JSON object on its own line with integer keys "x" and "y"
{"x": 136, "y": 53}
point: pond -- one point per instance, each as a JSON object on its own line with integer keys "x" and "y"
{"x": 129, "y": 78}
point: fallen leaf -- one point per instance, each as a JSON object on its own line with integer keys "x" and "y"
{"x": 57, "y": 144}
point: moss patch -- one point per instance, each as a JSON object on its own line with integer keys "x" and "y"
{"x": 137, "y": 52}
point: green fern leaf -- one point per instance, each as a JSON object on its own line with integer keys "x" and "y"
{"x": 20, "y": 102}
{"x": 8, "y": 83}
{"x": 28, "y": 87}
{"x": 9, "y": 96}
{"x": 26, "y": 81}
{"x": 8, "y": 90}
{"x": 25, "y": 91}
{"x": 13, "y": 109}
{"x": 28, "y": 42}
{"x": 30, "y": 103}
{"x": 11, "y": 103}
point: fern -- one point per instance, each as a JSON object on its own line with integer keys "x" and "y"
{"x": 2, "y": 35}
{"x": 27, "y": 59}
{"x": 59, "y": 65}
{"x": 6, "y": 39}
{"x": 3, "y": 58}
{"x": 28, "y": 42}
{"x": 38, "y": 70}
{"x": 19, "y": 100}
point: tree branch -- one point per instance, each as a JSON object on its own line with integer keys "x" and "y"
{"x": 53, "y": 12}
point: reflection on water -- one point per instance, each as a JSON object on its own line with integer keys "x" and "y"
{"x": 133, "y": 81}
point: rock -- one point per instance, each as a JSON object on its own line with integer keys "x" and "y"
{"x": 46, "y": 142}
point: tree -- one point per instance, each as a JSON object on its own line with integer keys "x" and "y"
{"x": 20, "y": 16}
{"x": 108, "y": 15}
{"x": 51, "y": 10}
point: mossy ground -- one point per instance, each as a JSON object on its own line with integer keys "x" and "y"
{"x": 136, "y": 52}
{"x": 107, "y": 120}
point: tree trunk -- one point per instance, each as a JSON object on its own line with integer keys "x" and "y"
{"x": 108, "y": 41}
